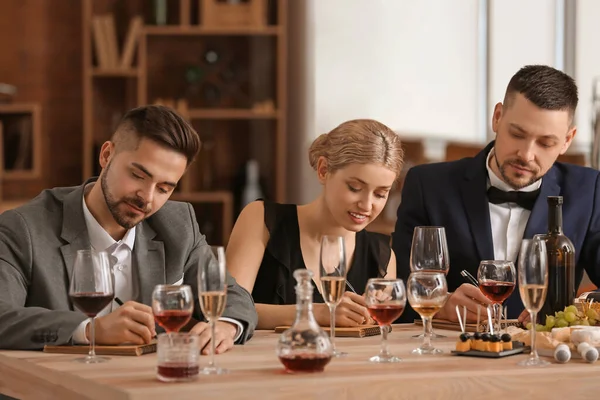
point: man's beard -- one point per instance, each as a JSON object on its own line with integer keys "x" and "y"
{"x": 124, "y": 219}
{"x": 516, "y": 185}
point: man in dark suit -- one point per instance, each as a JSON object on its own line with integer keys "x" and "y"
{"x": 533, "y": 126}
{"x": 126, "y": 213}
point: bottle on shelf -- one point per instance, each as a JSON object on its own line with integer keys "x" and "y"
{"x": 561, "y": 262}
{"x": 252, "y": 190}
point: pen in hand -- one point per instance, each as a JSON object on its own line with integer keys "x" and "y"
{"x": 118, "y": 301}
{"x": 469, "y": 277}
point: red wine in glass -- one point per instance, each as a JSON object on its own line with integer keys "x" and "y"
{"x": 178, "y": 370}
{"x": 385, "y": 314}
{"x": 305, "y": 362}
{"x": 496, "y": 291}
{"x": 91, "y": 303}
{"x": 173, "y": 320}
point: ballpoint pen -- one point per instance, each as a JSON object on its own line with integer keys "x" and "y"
{"x": 469, "y": 277}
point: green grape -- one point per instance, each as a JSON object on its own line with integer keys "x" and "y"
{"x": 560, "y": 314}
{"x": 592, "y": 314}
{"x": 572, "y": 309}
{"x": 528, "y": 326}
{"x": 550, "y": 321}
{"x": 593, "y": 321}
{"x": 570, "y": 316}
{"x": 561, "y": 323}
{"x": 584, "y": 322}
{"x": 575, "y": 323}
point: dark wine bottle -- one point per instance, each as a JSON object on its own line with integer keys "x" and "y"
{"x": 561, "y": 262}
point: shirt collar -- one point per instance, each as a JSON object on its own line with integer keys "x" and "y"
{"x": 99, "y": 238}
{"x": 494, "y": 180}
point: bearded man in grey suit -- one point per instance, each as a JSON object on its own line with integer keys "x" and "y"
{"x": 127, "y": 213}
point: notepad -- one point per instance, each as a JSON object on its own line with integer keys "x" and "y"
{"x": 356, "y": 331}
{"x": 122, "y": 350}
{"x": 455, "y": 326}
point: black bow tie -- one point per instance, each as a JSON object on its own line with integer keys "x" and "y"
{"x": 523, "y": 199}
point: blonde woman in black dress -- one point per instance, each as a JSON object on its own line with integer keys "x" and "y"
{"x": 356, "y": 163}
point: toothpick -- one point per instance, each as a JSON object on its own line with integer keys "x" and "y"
{"x": 478, "y": 317}
{"x": 491, "y": 326}
{"x": 462, "y": 327}
{"x": 465, "y": 317}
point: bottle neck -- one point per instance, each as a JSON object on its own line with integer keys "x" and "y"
{"x": 555, "y": 223}
{"x": 304, "y": 306}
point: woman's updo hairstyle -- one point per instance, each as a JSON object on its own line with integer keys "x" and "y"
{"x": 359, "y": 141}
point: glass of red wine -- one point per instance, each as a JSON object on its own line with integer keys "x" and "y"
{"x": 91, "y": 290}
{"x": 178, "y": 357}
{"x": 172, "y": 306}
{"x": 386, "y": 299}
{"x": 497, "y": 280}
{"x": 212, "y": 293}
{"x": 429, "y": 253}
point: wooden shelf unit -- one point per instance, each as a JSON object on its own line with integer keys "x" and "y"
{"x": 234, "y": 126}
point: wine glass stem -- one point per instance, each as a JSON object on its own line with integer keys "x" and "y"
{"x": 498, "y": 325}
{"x": 332, "y": 326}
{"x": 212, "y": 343}
{"x": 384, "y": 344}
{"x": 426, "y": 332}
{"x": 92, "y": 353}
{"x": 533, "y": 316}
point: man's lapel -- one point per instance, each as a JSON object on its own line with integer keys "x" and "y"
{"x": 474, "y": 195}
{"x": 538, "y": 220}
{"x": 74, "y": 229}
{"x": 149, "y": 259}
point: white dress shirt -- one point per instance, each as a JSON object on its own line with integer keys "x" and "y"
{"x": 508, "y": 220}
{"x": 120, "y": 253}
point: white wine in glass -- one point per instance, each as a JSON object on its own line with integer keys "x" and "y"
{"x": 429, "y": 253}
{"x": 212, "y": 294}
{"x": 427, "y": 293}
{"x": 332, "y": 274}
{"x": 533, "y": 284}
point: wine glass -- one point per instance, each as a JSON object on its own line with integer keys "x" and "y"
{"x": 91, "y": 290}
{"x": 429, "y": 252}
{"x": 427, "y": 293}
{"x": 533, "y": 284}
{"x": 332, "y": 273}
{"x": 212, "y": 293}
{"x": 497, "y": 280}
{"x": 386, "y": 299}
{"x": 172, "y": 306}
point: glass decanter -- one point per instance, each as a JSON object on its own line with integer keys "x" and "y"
{"x": 304, "y": 347}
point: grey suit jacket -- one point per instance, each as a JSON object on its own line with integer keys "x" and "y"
{"x": 38, "y": 242}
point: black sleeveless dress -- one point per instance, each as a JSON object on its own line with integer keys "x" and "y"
{"x": 275, "y": 281}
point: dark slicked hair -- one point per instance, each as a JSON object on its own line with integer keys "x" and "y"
{"x": 160, "y": 124}
{"x": 546, "y": 87}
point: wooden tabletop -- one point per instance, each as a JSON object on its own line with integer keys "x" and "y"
{"x": 255, "y": 372}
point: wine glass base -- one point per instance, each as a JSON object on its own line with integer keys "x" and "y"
{"x": 213, "y": 371}
{"x": 427, "y": 350}
{"x": 385, "y": 359}
{"x": 533, "y": 362}
{"x": 337, "y": 353}
{"x": 91, "y": 360}
{"x": 433, "y": 336}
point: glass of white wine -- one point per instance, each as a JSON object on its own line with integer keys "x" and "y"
{"x": 429, "y": 252}
{"x": 332, "y": 274}
{"x": 533, "y": 285}
{"x": 427, "y": 293}
{"x": 212, "y": 293}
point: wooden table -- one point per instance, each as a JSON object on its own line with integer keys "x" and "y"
{"x": 255, "y": 373}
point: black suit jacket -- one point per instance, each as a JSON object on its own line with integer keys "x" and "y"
{"x": 453, "y": 195}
